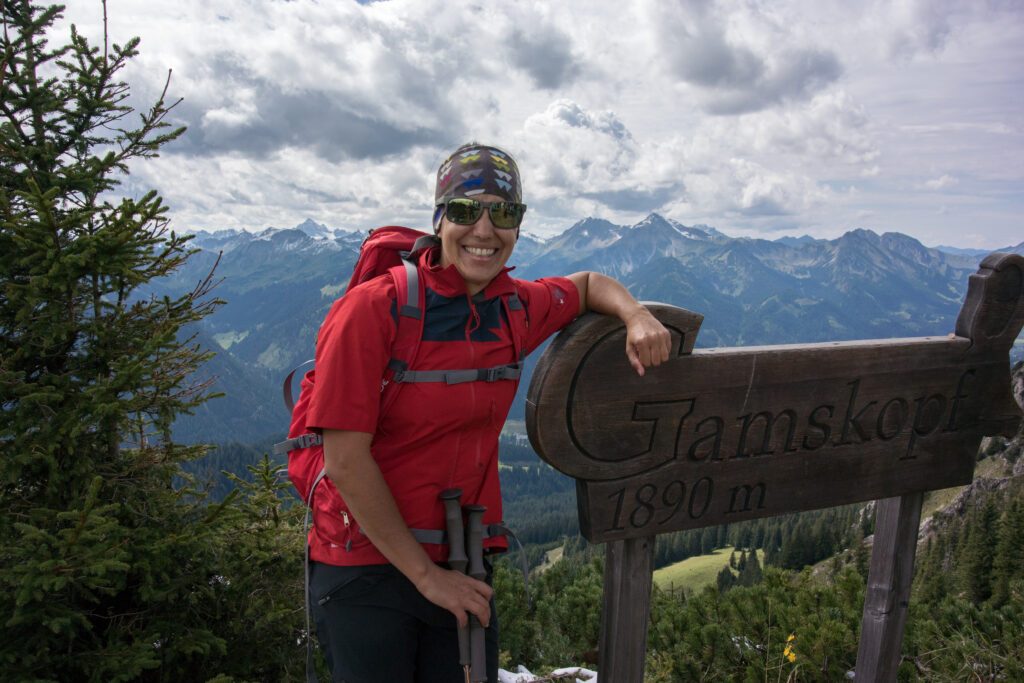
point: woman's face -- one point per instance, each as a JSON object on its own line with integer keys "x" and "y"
{"x": 477, "y": 251}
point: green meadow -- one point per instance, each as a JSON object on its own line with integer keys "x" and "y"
{"x": 696, "y": 572}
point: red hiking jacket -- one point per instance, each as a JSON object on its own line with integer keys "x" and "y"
{"x": 434, "y": 436}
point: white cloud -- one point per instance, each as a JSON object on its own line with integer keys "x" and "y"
{"x": 832, "y": 127}
{"x": 572, "y": 149}
{"x": 917, "y": 25}
{"x": 941, "y": 182}
{"x": 740, "y": 114}
{"x": 734, "y": 56}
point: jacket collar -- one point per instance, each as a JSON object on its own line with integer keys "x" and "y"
{"x": 448, "y": 282}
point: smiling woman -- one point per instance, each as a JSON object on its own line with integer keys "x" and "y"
{"x": 475, "y": 241}
{"x": 389, "y": 594}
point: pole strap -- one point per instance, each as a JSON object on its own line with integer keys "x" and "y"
{"x": 310, "y": 664}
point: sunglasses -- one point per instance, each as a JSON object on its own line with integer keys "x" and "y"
{"x": 466, "y": 211}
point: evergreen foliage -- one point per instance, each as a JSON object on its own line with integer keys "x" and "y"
{"x": 789, "y": 626}
{"x": 979, "y": 557}
{"x": 114, "y": 566}
{"x": 725, "y": 580}
{"x": 217, "y": 471}
{"x": 1009, "y": 553}
{"x": 750, "y": 573}
{"x": 562, "y": 622}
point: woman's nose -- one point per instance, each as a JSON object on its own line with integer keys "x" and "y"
{"x": 483, "y": 225}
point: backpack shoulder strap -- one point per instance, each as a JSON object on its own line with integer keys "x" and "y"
{"x": 518, "y": 320}
{"x": 286, "y": 388}
{"x": 410, "y": 304}
{"x": 404, "y": 351}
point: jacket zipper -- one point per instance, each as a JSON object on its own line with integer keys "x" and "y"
{"x": 348, "y": 530}
{"x": 473, "y": 364}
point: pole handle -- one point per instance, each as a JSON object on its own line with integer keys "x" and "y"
{"x": 457, "y": 558}
{"x": 474, "y": 541}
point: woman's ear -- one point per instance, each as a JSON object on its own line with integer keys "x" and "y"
{"x": 438, "y": 213}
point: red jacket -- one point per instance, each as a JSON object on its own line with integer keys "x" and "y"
{"x": 434, "y": 436}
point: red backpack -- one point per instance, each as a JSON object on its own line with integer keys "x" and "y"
{"x": 384, "y": 250}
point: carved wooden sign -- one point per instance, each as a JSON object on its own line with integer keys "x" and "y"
{"x": 723, "y": 435}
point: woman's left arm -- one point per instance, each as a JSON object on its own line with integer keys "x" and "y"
{"x": 648, "y": 343}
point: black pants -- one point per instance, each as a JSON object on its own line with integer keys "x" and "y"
{"x": 375, "y": 627}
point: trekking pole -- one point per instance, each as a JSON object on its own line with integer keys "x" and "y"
{"x": 457, "y": 561}
{"x": 475, "y": 543}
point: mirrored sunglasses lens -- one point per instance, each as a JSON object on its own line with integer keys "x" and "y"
{"x": 463, "y": 211}
{"x": 506, "y": 214}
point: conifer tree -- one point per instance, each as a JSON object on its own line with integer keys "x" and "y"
{"x": 725, "y": 579}
{"x": 1008, "y": 563}
{"x": 977, "y": 552}
{"x": 111, "y": 563}
{"x": 750, "y": 573}
{"x": 861, "y": 554}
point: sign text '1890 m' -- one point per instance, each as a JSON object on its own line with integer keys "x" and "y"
{"x": 661, "y": 504}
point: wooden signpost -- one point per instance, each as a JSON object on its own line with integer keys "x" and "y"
{"x": 721, "y": 435}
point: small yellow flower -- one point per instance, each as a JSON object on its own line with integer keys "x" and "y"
{"x": 790, "y": 651}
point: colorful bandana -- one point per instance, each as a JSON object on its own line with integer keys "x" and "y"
{"x": 478, "y": 169}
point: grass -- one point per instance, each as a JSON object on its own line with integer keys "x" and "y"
{"x": 696, "y": 572}
{"x": 550, "y": 558}
{"x": 937, "y": 500}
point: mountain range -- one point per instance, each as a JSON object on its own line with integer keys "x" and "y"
{"x": 279, "y": 284}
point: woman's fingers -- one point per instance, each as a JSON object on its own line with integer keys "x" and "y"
{"x": 634, "y": 359}
{"x": 648, "y": 343}
{"x": 459, "y": 594}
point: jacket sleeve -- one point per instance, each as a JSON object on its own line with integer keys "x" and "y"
{"x": 551, "y": 304}
{"x": 352, "y": 352}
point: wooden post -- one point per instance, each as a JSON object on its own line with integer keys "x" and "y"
{"x": 888, "y": 589}
{"x": 627, "y": 606}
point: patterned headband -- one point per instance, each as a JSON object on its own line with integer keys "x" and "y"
{"x": 478, "y": 169}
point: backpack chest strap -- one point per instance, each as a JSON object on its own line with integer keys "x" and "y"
{"x": 511, "y": 371}
{"x": 302, "y": 441}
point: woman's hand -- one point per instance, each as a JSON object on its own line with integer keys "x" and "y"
{"x": 355, "y": 473}
{"x": 648, "y": 343}
{"x": 457, "y": 593}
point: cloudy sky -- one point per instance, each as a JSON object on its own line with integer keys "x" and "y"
{"x": 758, "y": 118}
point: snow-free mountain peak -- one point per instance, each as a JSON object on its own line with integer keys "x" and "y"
{"x": 796, "y": 241}
{"x": 667, "y": 226}
{"x": 314, "y": 229}
{"x": 583, "y": 238}
{"x": 597, "y": 230}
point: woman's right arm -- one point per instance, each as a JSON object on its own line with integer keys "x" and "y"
{"x": 355, "y": 473}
